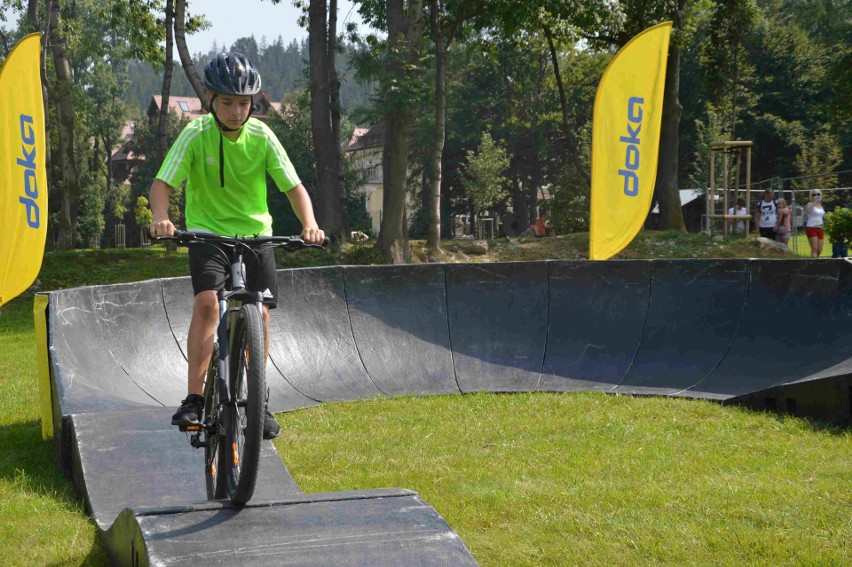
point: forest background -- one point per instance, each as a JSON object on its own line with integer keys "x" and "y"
{"x": 486, "y": 105}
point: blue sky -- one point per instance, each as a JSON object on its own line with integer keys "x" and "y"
{"x": 231, "y": 20}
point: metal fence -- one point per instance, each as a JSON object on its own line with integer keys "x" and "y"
{"x": 836, "y": 188}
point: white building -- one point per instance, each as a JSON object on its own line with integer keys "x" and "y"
{"x": 364, "y": 151}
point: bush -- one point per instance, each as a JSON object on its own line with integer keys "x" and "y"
{"x": 838, "y": 226}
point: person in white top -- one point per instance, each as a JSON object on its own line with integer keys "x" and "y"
{"x": 741, "y": 211}
{"x": 767, "y": 215}
{"x": 813, "y": 227}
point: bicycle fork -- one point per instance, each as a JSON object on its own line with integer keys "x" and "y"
{"x": 222, "y": 354}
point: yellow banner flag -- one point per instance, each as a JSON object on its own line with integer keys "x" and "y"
{"x": 23, "y": 174}
{"x": 626, "y": 141}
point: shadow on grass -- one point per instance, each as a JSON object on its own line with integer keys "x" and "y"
{"x": 28, "y": 465}
{"x": 814, "y": 424}
{"x": 29, "y": 456}
{"x": 779, "y": 416}
{"x": 95, "y": 558}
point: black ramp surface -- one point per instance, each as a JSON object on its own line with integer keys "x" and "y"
{"x": 137, "y": 331}
{"x": 837, "y": 328}
{"x": 790, "y": 329}
{"x": 387, "y": 527}
{"x": 178, "y": 300}
{"x": 597, "y": 314}
{"x": 136, "y": 458}
{"x": 87, "y": 376}
{"x": 311, "y": 340}
{"x": 679, "y": 351}
{"x": 399, "y": 319}
{"x": 498, "y": 324}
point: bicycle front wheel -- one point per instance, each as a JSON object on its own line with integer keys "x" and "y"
{"x": 214, "y": 454}
{"x": 244, "y": 424}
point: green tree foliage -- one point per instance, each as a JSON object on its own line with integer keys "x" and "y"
{"x": 838, "y": 226}
{"x": 484, "y": 176}
{"x": 777, "y": 72}
{"x": 142, "y": 212}
{"x": 293, "y": 128}
{"x": 282, "y": 66}
{"x": 90, "y": 221}
{"x": 144, "y": 143}
{"x": 764, "y": 70}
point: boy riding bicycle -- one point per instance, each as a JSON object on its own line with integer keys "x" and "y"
{"x": 224, "y": 157}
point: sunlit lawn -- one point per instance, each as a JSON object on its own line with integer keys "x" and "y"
{"x": 591, "y": 479}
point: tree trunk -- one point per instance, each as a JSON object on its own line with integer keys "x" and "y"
{"x": 403, "y": 38}
{"x": 64, "y": 93}
{"x": 334, "y": 108}
{"x": 666, "y": 190}
{"x": 570, "y": 138}
{"x": 183, "y": 53}
{"x": 325, "y": 151}
{"x": 522, "y": 213}
{"x": 32, "y": 14}
{"x": 35, "y": 26}
{"x": 162, "y": 140}
{"x": 433, "y": 239}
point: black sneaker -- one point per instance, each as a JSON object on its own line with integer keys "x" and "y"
{"x": 271, "y": 429}
{"x": 190, "y": 411}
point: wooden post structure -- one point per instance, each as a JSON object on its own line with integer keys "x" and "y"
{"x": 727, "y": 148}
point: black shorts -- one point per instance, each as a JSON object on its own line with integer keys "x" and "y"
{"x": 210, "y": 268}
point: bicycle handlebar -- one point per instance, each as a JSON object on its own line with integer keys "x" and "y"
{"x": 288, "y": 243}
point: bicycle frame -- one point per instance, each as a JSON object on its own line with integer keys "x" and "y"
{"x": 230, "y": 301}
{"x": 240, "y": 332}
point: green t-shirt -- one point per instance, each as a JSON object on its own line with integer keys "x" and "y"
{"x": 238, "y": 208}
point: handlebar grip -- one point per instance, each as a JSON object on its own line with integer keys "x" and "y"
{"x": 177, "y": 236}
{"x": 325, "y": 242}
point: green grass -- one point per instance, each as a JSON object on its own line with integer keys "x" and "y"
{"x": 525, "y": 480}
{"x": 590, "y": 479}
{"x": 42, "y": 522}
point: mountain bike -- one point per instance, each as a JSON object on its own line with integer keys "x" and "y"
{"x": 230, "y": 429}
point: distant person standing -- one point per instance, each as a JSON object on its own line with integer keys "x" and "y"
{"x": 741, "y": 211}
{"x": 784, "y": 224}
{"x": 813, "y": 227}
{"x": 767, "y": 215}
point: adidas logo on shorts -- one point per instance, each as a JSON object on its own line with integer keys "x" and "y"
{"x": 266, "y": 294}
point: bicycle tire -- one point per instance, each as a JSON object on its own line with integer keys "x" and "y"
{"x": 244, "y": 422}
{"x": 214, "y": 455}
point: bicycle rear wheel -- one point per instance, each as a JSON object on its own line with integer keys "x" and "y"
{"x": 214, "y": 454}
{"x": 244, "y": 423}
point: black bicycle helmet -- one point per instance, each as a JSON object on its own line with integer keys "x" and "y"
{"x": 231, "y": 74}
